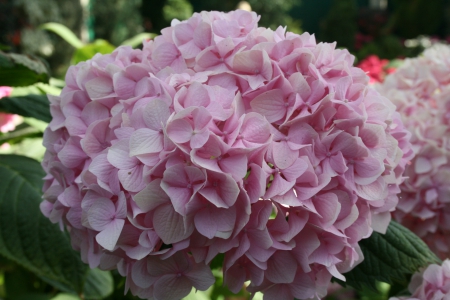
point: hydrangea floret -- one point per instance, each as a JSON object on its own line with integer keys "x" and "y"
{"x": 421, "y": 91}
{"x": 223, "y": 139}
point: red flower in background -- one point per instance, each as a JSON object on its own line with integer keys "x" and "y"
{"x": 376, "y": 68}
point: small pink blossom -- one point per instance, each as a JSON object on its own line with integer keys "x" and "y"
{"x": 7, "y": 121}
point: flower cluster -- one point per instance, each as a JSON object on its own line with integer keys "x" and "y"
{"x": 421, "y": 91}
{"x": 222, "y": 139}
{"x": 376, "y": 68}
{"x": 7, "y": 121}
{"x": 433, "y": 283}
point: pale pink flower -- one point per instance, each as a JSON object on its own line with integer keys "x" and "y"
{"x": 222, "y": 138}
{"x": 432, "y": 283}
{"x": 421, "y": 93}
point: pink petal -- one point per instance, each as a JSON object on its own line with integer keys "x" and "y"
{"x": 199, "y": 139}
{"x": 109, "y": 236}
{"x": 328, "y": 207}
{"x": 172, "y": 287}
{"x": 303, "y": 286}
{"x": 145, "y": 141}
{"x": 119, "y": 157}
{"x": 164, "y": 55}
{"x": 123, "y": 85}
{"x": 222, "y": 191}
{"x": 71, "y": 155}
{"x": 300, "y": 85}
{"x": 279, "y": 186}
{"x": 270, "y": 104}
{"x": 236, "y": 165}
{"x": 205, "y": 223}
{"x": 132, "y": 179}
{"x": 203, "y": 35}
{"x": 201, "y": 276}
{"x": 169, "y": 225}
{"x": 281, "y": 267}
{"x": 179, "y": 131}
{"x": 155, "y": 114}
{"x": 207, "y": 58}
{"x": 373, "y": 192}
{"x": 101, "y": 214}
{"x": 140, "y": 275}
{"x": 422, "y": 165}
{"x": 99, "y": 88}
{"x": 283, "y": 155}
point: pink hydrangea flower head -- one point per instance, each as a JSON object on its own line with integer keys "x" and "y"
{"x": 421, "y": 91}
{"x": 7, "y": 121}
{"x": 222, "y": 138}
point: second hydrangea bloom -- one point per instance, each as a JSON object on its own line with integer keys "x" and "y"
{"x": 220, "y": 137}
{"x": 421, "y": 91}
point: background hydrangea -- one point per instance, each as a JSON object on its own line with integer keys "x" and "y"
{"x": 433, "y": 283}
{"x": 7, "y": 121}
{"x": 220, "y": 137}
{"x": 421, "y": 91}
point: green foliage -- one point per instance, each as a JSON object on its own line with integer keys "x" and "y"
{"x": 276, "y": 13}
{"x": 177, "y": 9}
{"x": 29, "y": 239}
{"x": 389, "y": 47}
{"x": 340, "y": 24}
{"x": 98, "y": 285}
{"x": 64, "y": 32}
{"x": 26, "y": 236}
{"x": 21, "y": 70}
{"x": 116, "y": 20}
{"x": 391, "y": 258}
{"x": 417, "y": 17}
{"x": 84, "y": 52}
{"x": 35, "y": 106}
{"x": 137, "y": 39}
{"x": 88, "y": 51}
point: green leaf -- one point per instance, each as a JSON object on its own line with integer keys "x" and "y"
{"x": 217, "y": 261}
{"x": 64, "y": 296}
{"x": 99, "y": 284}
{"x": 21, "y": 133}
{"x": 21, "y": 70}
{"x": 39, "y": 125}
{"x": 390, "y": 258}
{"x": 137, "y": 39}
{"x": 64, "y": 32}
{"x": 199, "y": 295}
{"x": 88, "y": 51}
{"x": 35, "y": 106}
{"x": 26, "y": 236}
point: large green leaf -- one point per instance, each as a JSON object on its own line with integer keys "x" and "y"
{"x": 390, "y": 258}
{"x": 64, "y": 32}
{"x": 21, "y": 70}
{"x": 26, "y": 236}
{"x": 35, "y": 106}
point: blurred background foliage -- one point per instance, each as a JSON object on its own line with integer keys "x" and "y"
{"x": 59, "y": 33}
{"x": 364, "y": 27}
